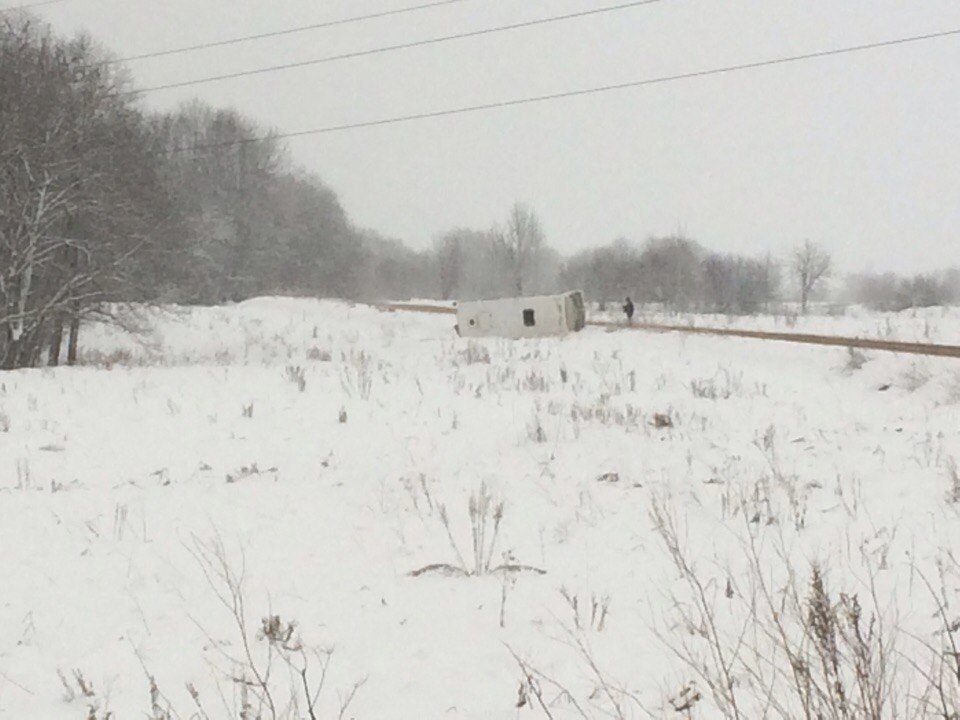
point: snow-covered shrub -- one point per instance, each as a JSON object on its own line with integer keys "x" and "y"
{"x": 474, "y": 353}
{"x": 533, "y": 381}
{"x": 915, "y": 376}
{"x": 590, "y": 616}
{"x": 319, "y": 355}
{"x": 953, "y": 475}
{"x": 298, "y": 376}
{"x": 108, "y": 360}
{"x": 535, "y": 431}
{"x": 278, "y": 674}
{"x": 485, "y": 512}
{"x": 772, "y": 639}
{"x": 856, "y": 359}
{"x": 602, "y": 411}
{"x": 356, "y": 374}
{"x": 953, "y": 389}
{"x": 707, "y": 389}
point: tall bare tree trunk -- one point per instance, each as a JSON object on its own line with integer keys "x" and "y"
{"x": 11, "y": 352}
{"x": 74, "y": 338}
{"x": 56, "y": 341}
{"x": 35, "y": 349}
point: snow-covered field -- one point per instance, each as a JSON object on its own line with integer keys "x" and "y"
{"x": 939, "y": 325}
{"x": 321, "y": 453}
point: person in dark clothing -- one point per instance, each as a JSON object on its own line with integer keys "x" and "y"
{"x": 628, "y": 309}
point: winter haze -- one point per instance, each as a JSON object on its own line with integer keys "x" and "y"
{"x": 857, "y": 153}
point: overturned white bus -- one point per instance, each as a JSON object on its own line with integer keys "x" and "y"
{"x": 523, "y": 317}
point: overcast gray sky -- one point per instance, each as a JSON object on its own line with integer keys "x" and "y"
{"x": 860, "y": 152}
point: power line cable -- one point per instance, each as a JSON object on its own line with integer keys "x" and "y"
{"x": 277, "y": 33}
{"x": 662, "y": 80}
{"x": 394, "y": 48}
{"x": 15, "y": 8}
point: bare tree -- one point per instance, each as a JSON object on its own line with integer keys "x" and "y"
{"x": 811, "y": 264}
{"x": 392, "y": 271}
{"x": 732, "y": 283}
{"x": 449, "y": 250}
{"x": 521, "y": 243}
{"x": 606, "y": 273}
{"x": 951, "y": 279}
{"x": 470, "y": 264}
{"x": 670, "y": 272}
{"x": 81, "y": 207}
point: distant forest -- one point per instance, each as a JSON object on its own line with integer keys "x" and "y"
{"x": 102, "y": 202}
